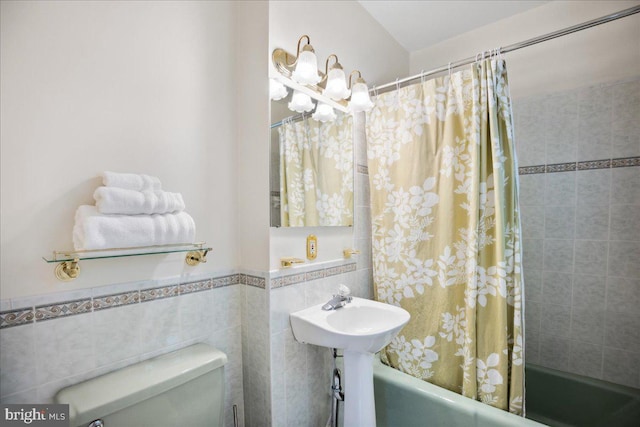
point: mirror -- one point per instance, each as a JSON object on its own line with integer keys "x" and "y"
{"x": 311, "y": 173}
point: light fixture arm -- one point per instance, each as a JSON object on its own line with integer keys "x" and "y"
{"x": 335, "y": 64}
{"x": 307, "y": 46}
{"x": 358, "y": 80}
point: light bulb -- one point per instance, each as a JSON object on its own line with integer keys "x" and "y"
{"x": 300, "y": 102}
{"x": 306, "y": 72}
{"x": 324, "y": 113}
{"x": 360, "y": 100}
{"x": 277, "y": 90}
{"x": 336, "y": 85}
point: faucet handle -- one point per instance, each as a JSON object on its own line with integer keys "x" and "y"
{"x": 344, "y": 291}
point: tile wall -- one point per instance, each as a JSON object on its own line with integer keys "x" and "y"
{"x": 53, "y": 341}
{"x": 579, "y": 157}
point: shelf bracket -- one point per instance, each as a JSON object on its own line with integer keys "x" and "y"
{"x": 68, "y": 270}
{"x": 194, "y": 258}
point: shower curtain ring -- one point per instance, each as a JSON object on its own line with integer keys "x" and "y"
{"x": 449, "y": 67}
{"x": 422, "y": 76}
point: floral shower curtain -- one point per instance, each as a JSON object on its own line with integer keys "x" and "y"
{"x": 316, "y": 172}
{"x": 446, "y": 232}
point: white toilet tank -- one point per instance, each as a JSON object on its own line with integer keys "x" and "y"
{"x": 183, "y": 388}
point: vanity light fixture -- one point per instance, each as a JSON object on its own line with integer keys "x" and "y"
{"x": 336, "y": 87}
{"x": 306, "y": 71}
{"x": 360, "y": 100}
{"x": 324, "y": 113}
{"x": 277, "y": 90}
{"x": 300, "y": 102}
{"x": 332, "y": 84}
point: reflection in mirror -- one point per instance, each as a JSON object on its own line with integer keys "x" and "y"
{"x": 311, "y": 177}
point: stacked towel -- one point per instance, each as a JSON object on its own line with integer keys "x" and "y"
{"x": 131, "y": 181}
{"x": 93, "y": 230}
{"x": 113, "y": 200}
{"x": 132, "y": 210}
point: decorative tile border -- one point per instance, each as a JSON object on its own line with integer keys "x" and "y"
{"x": 594, "y": 164}
{"x": 115, "y": 300}
{"x": 623, "y": 162}
{"x": 39, "y": 313}
{"x": 362, "y": 169}
{"x": 189, "y": 288}
{"x": 256, "y": 281}
{"x": 16, "y": 317}
{"x": 529, "y": 170}
{"x": 152, "y": 294}
{"x": 295, "y": 277}
{"x": 62, "y": 309}
{"x": 561, "y": 167}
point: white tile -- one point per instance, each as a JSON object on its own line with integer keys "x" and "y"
{"x": 587, "y": 325}
{"x": 625, "y": 186}
{"x": 116, "y": 334}
{"x": 556, "y": 320}
{"x": 532, "y": 253}
{"x": 622, "y": 330}
{"x": 585, "y": 359}
{"x": 623, "y": 259}
{"x": 621, "y": 367}
{"x": 559, "y": 222}
{"x": 532, "y": 189}
{"x": 625, "y": 222}
{"x": 532, "y": 285}
{"x": 560, "y": 189}
{"x": 64, "y": 347}
{"x": 589, "y": 292}
{"x": 554, "y": 352}
{"x": 286, "y": 300}
{"x": 160, "y": 324}
{"x": 197, "y": 313}
{"x": 557, "y": 288}
{"x": 623, "y": 295}
{"x": 17, "y": 359}
{"x": 591, "y": 257}
{"x": 593, "y": 187}
{"x": 532, "y": 218}
{"x": 592, "y": 223}
{"x": 558, "y": 255}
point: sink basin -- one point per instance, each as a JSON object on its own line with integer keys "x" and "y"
{"x": 361, "y": 325}
{"x": 360, "y": 328}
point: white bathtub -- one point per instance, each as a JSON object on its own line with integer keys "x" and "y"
{"x": 405, "y": 401}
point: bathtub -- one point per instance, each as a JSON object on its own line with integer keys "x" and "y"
{"x": 563, "y": 399}
{"x": 552, "y": 397}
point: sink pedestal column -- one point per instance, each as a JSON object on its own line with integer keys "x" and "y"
{"x": 359, "y": 405}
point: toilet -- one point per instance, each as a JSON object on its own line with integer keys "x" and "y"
{"x": 182, "y": 388}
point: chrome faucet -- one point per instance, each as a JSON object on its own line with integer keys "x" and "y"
{"x": 340, "y": 299}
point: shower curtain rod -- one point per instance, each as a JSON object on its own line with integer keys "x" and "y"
{"x": 295, "y": 118}
{"x": 511, "y": 47}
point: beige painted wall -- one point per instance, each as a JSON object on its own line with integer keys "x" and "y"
{"x": 346, "y": 29}
{"x": 601, "y": 54}
{"x": 124, "y": 86}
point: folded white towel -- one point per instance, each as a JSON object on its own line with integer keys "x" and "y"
{"x": 114, "y": 200}
{"x": 93, "y": 230}
{"x": 131, "y": 181}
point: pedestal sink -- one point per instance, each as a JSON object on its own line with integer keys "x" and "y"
{"x": 360, "y": 328}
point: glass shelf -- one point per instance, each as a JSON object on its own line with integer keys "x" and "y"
{"x": 66, "y": 256}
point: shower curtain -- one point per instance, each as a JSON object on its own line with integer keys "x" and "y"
{"x": 316, "y": 172}
{"x": 446, "y": 232}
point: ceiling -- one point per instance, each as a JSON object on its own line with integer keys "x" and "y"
{"x": 419, "y": 24}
